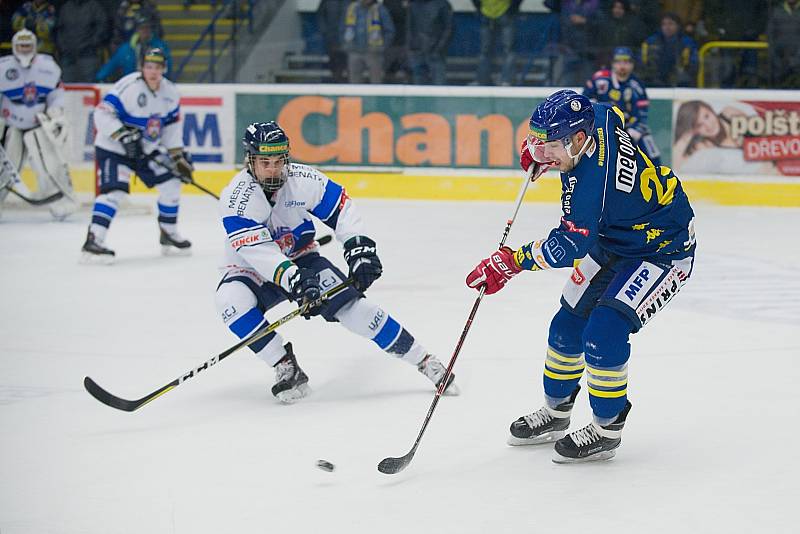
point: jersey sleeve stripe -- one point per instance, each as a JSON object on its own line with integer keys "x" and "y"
{"x": 236, "y": 224}
{"x": 122, "y": 114}
{"x": 330, "y": 201}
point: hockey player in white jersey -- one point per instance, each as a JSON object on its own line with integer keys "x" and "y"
{"x": 139, "y": 130}
{"x": 32, "y": 118}
{"x": 271, "y": 255}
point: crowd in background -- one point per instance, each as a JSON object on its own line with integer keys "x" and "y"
{"x": 92, "y": 40}
{"x": 365, "y": 40}
{"x": 407, "y": 41}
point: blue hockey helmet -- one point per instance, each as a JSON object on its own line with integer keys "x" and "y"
{"x": 561, "y": 115}
{"x": 622, "y": 53}
{"x": 267, "y": 139}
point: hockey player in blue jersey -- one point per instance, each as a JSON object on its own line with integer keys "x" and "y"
{"x": 267, "y": 211}
{"x": 621, "y": 88}
{"x": 627, "y": 233}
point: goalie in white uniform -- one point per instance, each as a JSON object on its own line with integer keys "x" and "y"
{"x": 271, "y": 255}
{"x": 139, "y": 129}
{"x": 32, "y": 118}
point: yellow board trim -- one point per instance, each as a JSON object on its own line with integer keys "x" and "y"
{"x": 608, "y": 394}
{"x": 481, "y": 188}
{"x": 556, "y": 376}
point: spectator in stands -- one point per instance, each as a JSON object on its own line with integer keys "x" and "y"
{"x": 618, "y": 27}
{"x": 430, "y": 26}
{"x": 128, "y": 57}
{"x": 669, "y": 57}
{"x": 39, "y": 16}
{"x": 783, "y": 29}
{"x": 690, "y": 12}
{"x": 734, "y": 20}
{"x": 648, "y": 11}
{"x": 330, "y": 14}
{"x": 577, "y": 36}
{"x": 82, "y": 31}
{"x": 396, "y": 58}
{"x": 497, "y": 18}
{"x": 368, "y": 29}
{"x": 128, "y": 13}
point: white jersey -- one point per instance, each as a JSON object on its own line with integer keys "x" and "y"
{"x": 28, "y": 91}
{"x": 262, "y": 238}
{"x": 131, "y": 103}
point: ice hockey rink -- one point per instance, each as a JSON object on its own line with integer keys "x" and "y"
{"x": 710, "y": 445}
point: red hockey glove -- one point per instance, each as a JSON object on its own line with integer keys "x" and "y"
{"x": 494, "y": 271}
{"x": 526, "y": 159}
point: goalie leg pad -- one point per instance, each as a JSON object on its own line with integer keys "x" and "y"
{"x": 51, "y": 170}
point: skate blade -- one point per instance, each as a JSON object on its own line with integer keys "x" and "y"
{"x": 599, "y": 457}
{"x": 290, "y": 396}
{"x": 541, "y": 439}
{"x": 169, "y": 250}
{"x": 87, "y": 258}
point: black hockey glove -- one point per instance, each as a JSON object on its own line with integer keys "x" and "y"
{"x": 131, "y": 139}
{"x": 304, "y": 289}
{"x": 361, "y": 256}
{"x": 183, "y": 165}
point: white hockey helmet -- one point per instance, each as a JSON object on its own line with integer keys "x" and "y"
{"x": 23, "y": 45}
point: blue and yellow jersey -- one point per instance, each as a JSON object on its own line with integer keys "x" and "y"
{"x": 630, "y": 96}
{"x": 617, "y": 198}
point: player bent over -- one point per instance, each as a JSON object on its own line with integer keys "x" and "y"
{"x": 32, "y": 113}
{"x": 631, "y": 226}
{"x": 271, "y": 255}
{"x": 138, "y": 118}
{"x": 621, "y": 88}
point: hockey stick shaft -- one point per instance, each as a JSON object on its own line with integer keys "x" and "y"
{"x": 131, "y": 405}
{"x": 391, "y": 465}
{"x": 152, "y": 157}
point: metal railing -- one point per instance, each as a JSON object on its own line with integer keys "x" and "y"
{"x": 711, "y": 45}
{"x": 224, "y": 9}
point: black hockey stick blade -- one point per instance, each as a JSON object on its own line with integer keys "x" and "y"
{"x": 117, "y": 402}
{"x": 324, "y": 240}
{"x": 390, "y": 466}
{"x": 38, "y": 201}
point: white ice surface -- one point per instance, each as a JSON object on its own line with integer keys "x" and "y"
{"x": 710, "y": 446}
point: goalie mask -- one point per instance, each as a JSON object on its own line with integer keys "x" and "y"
{"x": 266, "y": 148}
{"x": 23, "y": 45}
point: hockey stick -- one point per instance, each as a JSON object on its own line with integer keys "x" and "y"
{"x": 391, "y": 465}
{"x": 37, "y": 201}
{"x": 131, "y": 405}
{"x": 153, "y": 156}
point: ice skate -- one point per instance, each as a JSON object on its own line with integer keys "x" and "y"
{"x": 431, "y": 367}
{"x": 544, "y": 425}
{"x": 173, "y": 244}
{"x": 94, "y": 252}
{"x": 291, "y": 383}
{"x": 592, "y": 442}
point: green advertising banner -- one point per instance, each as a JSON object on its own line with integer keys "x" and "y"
{"x": 407, "y": 131}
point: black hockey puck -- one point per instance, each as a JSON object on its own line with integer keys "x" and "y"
{"x": 325, "y": 465}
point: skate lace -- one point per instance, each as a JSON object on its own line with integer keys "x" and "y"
{"x": 432, "y": 368}
{"x": 585, "y": 436}
{"x": 284, "y": 371}
{"x": 538, "y": 418}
